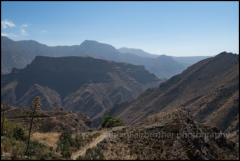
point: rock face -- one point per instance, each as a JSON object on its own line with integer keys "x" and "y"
{"x": 17, "y": 54}
{"x": 209, "y": 90}
{"x": 83, "y": 84}
{"x": 167, "y": 136}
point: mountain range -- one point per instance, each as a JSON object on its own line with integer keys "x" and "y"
{"x": 184, "y": 60}
{"x": 17, "y": 54}
{"x": 84, "y": 84}
{"x": 78, "y": 91}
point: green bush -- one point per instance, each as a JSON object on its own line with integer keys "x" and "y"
{"x": 65, "y": 138}
{"x": 18, "y": 133}
{"x": 64, "y": 143}
{"x": 111, "y": 122}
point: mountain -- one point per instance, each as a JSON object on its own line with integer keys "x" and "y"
{"x": 14, "y": 55}
{"x": 17, "y": 54}
{"x": 84, "y": 84}
{"x": 185, "y": 60}
{"x": 209, "y": 90}
{"x": 189, "y": 60}
{"x": 96, "y": 49}
{"x": 171, "y": 136}
{"x": 137, "y": 52}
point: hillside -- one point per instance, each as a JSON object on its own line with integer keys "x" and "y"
{"x": 82, "y": 84}
{"x": 170, "y": 136}
{"x": 17, "y": 54}
{"x": 165, "y": 136}
{"x": 51, "y": 121}
{"x": 208, "y": 89}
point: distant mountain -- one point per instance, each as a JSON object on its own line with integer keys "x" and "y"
{"x": 185, "y": 60}
{"x": 209, "y": 90}
{"x": 14, "y": 55}
{"x": 17, "y": 54}
{"x": 83, "y": 84}
{"x": 189, "y": 60}
{"x": 137, "y": 52}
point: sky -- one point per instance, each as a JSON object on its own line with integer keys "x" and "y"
{"x": 170, "y": 28}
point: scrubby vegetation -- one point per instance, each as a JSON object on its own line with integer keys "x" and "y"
{"x": 14, "y": 143}
{"x": 110, "y": 121}
{"x": 21, "y": 140}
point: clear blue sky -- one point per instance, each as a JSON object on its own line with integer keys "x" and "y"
{"x": 171, "y": 28}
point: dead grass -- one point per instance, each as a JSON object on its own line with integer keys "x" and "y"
{"x": 49, "y": 139}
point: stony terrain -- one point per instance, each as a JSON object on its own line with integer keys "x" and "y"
{"x": 171, "y": 135}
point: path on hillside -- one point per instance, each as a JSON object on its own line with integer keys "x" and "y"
{"x": 103, "y": 135}
{"x": 94, "y": 143}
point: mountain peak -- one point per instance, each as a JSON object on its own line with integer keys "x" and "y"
{"x": 225, "y": 53}
{"x": 90, "y": 42}
{"x": 93, "y": 43}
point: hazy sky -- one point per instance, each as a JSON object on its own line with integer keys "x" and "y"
{"x": 171, "y": 28}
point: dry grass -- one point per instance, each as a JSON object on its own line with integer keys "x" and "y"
{"x": 49, "y": 139}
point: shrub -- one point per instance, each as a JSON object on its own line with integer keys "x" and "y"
{"x": 64, "y": 143}
{"x": 6, "y": 144}
{"x": 8, "y": 128}
{"x": 111, "y": 122}
{"x": 36, "y": 149}
{"x": 66, "y": 152}
{"x": 65, "y": 138}
{"x": 50, "y": 156}
{"x": 93, "y": 154}
{"x": 17, "y": 150}
{"x": 82, "y": 158}
{"x": 18, "y": 133}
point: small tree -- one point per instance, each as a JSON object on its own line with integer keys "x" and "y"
{"x": 110, "y": 121}
{"x": 35, "y": 110}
